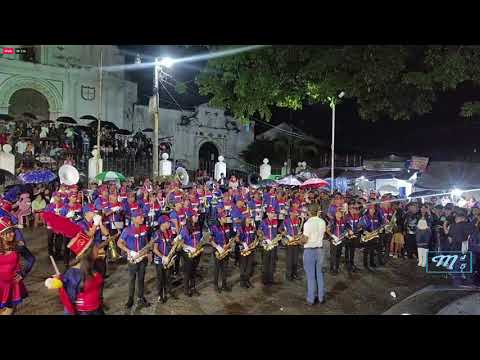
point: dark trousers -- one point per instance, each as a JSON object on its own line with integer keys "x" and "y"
{"x": 268, "y": 266}
{"x": 136, "y": 272}
{"x": 369, "y": 253}
{"x": 189, "y": 271}
{"x": 335, "y": 254}
{"x": 55, "y": 243}
{"x": 350, "y": 246}
{"x": 246, "y": 267}
{"x": 164, "y": 283}
{"x": 220, "y": 269}
{"x": 292, "y": 261}
{"x": 411, "y": 245}
{"x": 386, "y": 240}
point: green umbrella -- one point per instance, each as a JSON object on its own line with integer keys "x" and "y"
{"x": 110, "y": 176}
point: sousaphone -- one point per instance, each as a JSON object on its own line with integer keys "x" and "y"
{"x": 68, "y": 175}
{"x": 182, "y": 175}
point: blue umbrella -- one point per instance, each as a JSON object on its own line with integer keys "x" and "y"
{"x": 37, "y": 176}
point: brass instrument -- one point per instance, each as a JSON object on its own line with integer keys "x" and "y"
{"x": 253, "y": 246}
{"x": 112, "y": 248}
{"x": 391, "y": 225}
{"x": 270, "y": 246}
{"x": 172, "y": 254}
{"x": 296, "y": 240}
{"x": 371, "y": 235}
{"x": 199, "y": 248}
{"x": 142, "y": 254}
{"x": 230, "y": 246}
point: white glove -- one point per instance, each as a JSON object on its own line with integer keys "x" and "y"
{"x": 189, "y": 248}
{"x": 164, "y": 260}
{"x": 133, "y": 254}
{"x": 70, "y": 214}
{"x": 245, "y": 245}
{"x": 97, "y": 219}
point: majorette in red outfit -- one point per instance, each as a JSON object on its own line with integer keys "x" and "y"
{"x": 80, "y": 287}
{"x": 12, "y": 288}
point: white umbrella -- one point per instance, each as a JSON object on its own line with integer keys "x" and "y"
{"x": 315, "y": 183}
{"x": 289, "y": 181}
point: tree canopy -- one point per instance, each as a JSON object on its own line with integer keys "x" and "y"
{"x": 385, "y": 81}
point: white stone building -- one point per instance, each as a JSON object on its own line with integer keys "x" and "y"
{"x": 63, "y": 80}
{"x": 198, "y": 137}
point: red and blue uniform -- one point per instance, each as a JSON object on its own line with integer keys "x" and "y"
{"x": 164, "y": 241}
{"x": 136, "y": 238}
{"x": 77, "y": 301}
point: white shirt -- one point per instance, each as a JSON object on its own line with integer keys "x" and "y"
{"x": 314, "y": 229}
{"x": 21, "y": 147}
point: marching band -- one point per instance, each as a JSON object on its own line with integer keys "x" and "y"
{"x": 171, "y": 227}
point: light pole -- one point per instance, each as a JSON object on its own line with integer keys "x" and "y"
{"x": 166, "y": 62}
{"x": 333, "y": 102}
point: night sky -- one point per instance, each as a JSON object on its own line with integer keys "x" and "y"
{"x": 441, "y": 135}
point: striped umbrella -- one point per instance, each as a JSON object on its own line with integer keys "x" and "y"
{"x": 314, "y": 183}
{"x": 110, "y": 176}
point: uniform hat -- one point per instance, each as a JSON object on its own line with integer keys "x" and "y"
{"x": 6, "y": 205}
{"x": 88, "y": 208}
{"x": 137, "y": 212}
{"x": 5, "y": 224}
{"x": 270, "y": 210}
{"x": 163, "y": 219}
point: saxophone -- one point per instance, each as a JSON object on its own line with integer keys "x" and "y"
{"x": 253, "y": 246}
{"x": 172, "y": 254}
{"x": 199, "y": 248}
{"x": 371, "y": 235}
{"x": 227, "y": 251}
{"x": 296, "y": 240}
{"x": 142, "y": 254}
{"x": 276, "y": 240}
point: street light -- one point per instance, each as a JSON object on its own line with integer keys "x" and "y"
{"x": 159, "y": 63}
{"x": 333, "y": 101}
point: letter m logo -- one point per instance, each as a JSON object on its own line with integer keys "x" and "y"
{"x": 446, "y": 261}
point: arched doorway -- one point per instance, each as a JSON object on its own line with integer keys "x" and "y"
{"x": 207, "y": 156}
{"x": 29, "y": 101}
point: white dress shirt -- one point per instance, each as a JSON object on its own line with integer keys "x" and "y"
{"x": 314, "y": 229}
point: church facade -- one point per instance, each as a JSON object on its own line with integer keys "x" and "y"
{"x": 195, "y": 139}
{"x": 50, "y": 81}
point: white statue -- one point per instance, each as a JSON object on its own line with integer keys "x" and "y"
{"x": 285, "y": 169}
{"x": 44, "y": 132}
{"x": 304, "y": 165}
{"x": 7, "y": 159}
{"x": 92, "y": 166}
{"x": 220, "y": 168}
{"x": 265, "y": 169}
{"x": 299, "y": 168}
{"x": 165, "y": 166}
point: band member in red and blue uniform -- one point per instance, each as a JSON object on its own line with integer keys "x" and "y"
{"x": 163, "y": 241}
{"x": 337, "y": 228}
{"x": 112, "y": 214}
{"x": 371, "y": 221}
{"x": 292, "y": 226}
{"x": 12, "y": 288}
{"x": 81, "y": 293}
{"x": 178, "y": 219}
{"x": 152, "y": 210}
{"x": 239, "y": 213}
{"x": 247, "y": 235}
{"x": 269, "y": 227}
{"x": 55, "y": 241}
{"x": 255, "y": 205}
{"x": 191, "y": 236}
{"x": 387, "y": 212}
{"x": 221, "y": 235}
{"x": 101, "y": 202}
{"x": 352, "y": 220}
{"x": 133, "y": 239}
{"x": 129, "y": 206}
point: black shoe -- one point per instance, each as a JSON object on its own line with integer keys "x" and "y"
{"x": 218, "y": 290}
{"x": 354, "y": 268}
{"x": 105, "y": 307}
{"x": 243, "y": 285}
{"x": 250, "y": 284}
{"x": 368, "y": 269}
{"x": 335, "y": 272}
{"x": 143, "y": 302}
{"x": 196, "y": 292}
{"x": 310, "y": 304}
{"x": 226, "y": 288}
{"x": 323, "y": 301}
{"x": 188, "y": 293}
{"x": 289, "y": 278}
{"x": 129, "y": 304}
{"x": 373, "y": 265}
{"x": 172, "y": 295}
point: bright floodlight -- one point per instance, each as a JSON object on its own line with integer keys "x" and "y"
{"x": 342, "y": 94}
{"x": 167, "y": 62}
{"x": 457, "y": 192}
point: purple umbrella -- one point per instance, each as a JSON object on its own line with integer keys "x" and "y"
{"x": 37, "y": 176}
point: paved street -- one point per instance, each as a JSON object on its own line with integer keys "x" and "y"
{"x": 363, "y": 293}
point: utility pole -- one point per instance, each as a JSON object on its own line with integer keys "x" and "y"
{"x": 100, "y": 106}
{"x": 156, "y": 117}
{"x": 333, "y": 147}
